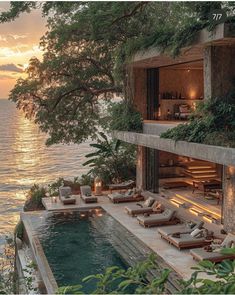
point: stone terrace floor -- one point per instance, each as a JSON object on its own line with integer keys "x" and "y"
{"x": 180, "y": 261}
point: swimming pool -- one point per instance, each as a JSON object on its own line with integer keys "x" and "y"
{"x": 77, "y": 244}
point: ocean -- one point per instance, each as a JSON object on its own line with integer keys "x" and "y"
{"x": 25, "y": 160}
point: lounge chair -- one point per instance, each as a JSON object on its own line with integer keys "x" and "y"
{"x": 129, "y": 196}
{"x": 86, "y": 194}
{"x": 214, "y": 254}
{"x": 195, "y": 239}
{"x": 185, "y": 228}
{"x": 123, "y": 185}
{"x": 165, "y": 218}
{"x": 149, "y": 206}
{"x": 65, "y": 195}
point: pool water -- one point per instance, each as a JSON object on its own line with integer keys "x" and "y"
{"x": 75, "y": 248}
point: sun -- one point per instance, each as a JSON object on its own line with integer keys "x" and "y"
{"x": 25, "y": 66}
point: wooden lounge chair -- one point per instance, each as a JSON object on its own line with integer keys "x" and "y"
{"x": 187, "y": 241}
{"x": 123, "y": 185}
{"x": 187, "y": 227}
{"x": 215, "y": 254}
{"x": 149, "y": 206}
{"x": 129, "y": 196}
{"x": 165, "y": 218}
{"x": 86, "y": 194}
{"x": 65, "y": 195}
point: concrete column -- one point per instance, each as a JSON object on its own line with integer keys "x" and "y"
{"x": 229, "y": 199}
{"x": 219, "y": 70}
{"x": 140, "y": 91}
{"x": 140, "y": 168}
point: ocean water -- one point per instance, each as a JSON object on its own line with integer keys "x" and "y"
{"x": 25, "y": 160}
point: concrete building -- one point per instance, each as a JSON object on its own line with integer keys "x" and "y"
{"x": 165, "y": 91}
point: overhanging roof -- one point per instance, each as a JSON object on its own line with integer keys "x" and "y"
{"x": 223, "y": 34}
{"x": 211, "y": 153}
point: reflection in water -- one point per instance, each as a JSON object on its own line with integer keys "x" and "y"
{"x": 25, "y": 160}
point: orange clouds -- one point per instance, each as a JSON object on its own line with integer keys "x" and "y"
{"x": 18, "y": 43}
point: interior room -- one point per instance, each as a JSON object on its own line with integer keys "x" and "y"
{"x": 180, "y": 88}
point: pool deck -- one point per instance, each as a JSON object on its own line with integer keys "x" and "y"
{"x": 179, "y": 260}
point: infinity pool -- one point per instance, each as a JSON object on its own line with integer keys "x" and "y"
{"x": 77, "y": 244}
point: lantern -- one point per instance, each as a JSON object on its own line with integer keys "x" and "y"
{"x": 98, "y": 186}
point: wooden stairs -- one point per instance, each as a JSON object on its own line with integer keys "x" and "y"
{"x": 200, "y": 170}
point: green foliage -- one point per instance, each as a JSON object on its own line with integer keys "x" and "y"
{"x": 112, "y": 160}
{"x": 86, "y": 50}
{"x": 19, "y": 230}
{"x": 122, "y": 116}
{"x": 53, "y": 188}
{"x": 34, "y": 198}
{"x": 224, "y": 273}
{"x": 212, "y": 123}
{"x": 115, "y": 280}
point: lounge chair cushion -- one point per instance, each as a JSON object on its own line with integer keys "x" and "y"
{"x": 228, "y": 241}
{"x": 64, "y": 191}
{"x": 162, "y": 217}
{"x": 196, "y": 232}
{"x": 186, "y": 239}
{"x": 149, "y": 202}
{"x": 202, "y": 254}
{"x": 85, "y": 190}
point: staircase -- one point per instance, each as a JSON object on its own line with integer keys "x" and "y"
{"x": 200, "y": 170}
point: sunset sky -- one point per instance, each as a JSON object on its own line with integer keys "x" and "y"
{"x": 18, "y": 43}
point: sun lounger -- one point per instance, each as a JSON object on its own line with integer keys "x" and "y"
{"x": 187, "y": 227}
{"x": 123, "y": 185}
{"x": 149, "y": 206}
{"x": 165, "y": 218}
{"x": 215, "y": 254}
{"x": 65, "y": 195}
{"x": 129, "y": 196}
{"x": 86, "y": 194}
{"x": 186, "y": 241}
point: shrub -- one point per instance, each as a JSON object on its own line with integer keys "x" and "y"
{"x": 19, "y": 230}
{"x": 212, "y": 123}
{"x": 113, "y": 161}
{"x": 34, "y": 198}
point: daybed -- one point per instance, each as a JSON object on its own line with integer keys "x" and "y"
{"x": 65, "y": 195}
{"x": 149, "y": 206}
{"x": 123, "y": 185}
{"x": 129, "y": 196}
{"x": 86, "y": 194}
{"x": 213, "y": 252}
{"x": 165, "y": 218}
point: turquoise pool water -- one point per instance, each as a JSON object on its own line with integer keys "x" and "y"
{"x": 76, "y": 247}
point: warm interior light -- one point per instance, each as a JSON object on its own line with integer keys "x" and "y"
{"x": 208, "y": 219}
{"x": 176, "y": 202}
{"x": 195, "y": 211}
{"x": 199, "y": 206}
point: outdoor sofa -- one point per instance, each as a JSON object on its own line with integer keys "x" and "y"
{"x": 86, "y": 194}
{"x": 213, "y": 252}
{"x": 149, "y": 206}
{"x": 166, "y": 218}
{"x": 129, "y": 196}
{"x": 65, "y": 195}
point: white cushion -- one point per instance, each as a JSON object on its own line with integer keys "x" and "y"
{"x": 195, "y": 232}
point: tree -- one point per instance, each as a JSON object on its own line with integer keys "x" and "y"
{"x": 86, "y": 52}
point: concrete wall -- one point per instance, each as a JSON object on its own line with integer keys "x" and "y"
{"x": 229, "y": 199}
{"x": 219, "y": 70}
{"x": 216, "y": 154}
{"x": 140, "y": 168}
